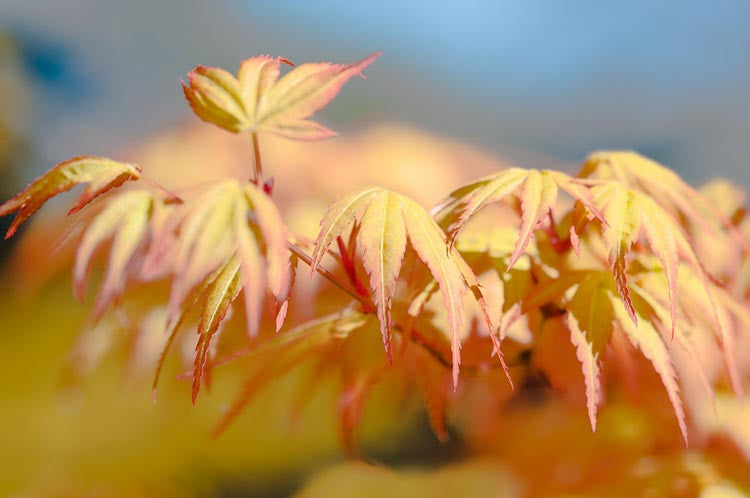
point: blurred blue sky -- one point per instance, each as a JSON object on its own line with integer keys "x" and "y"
{"x": 530, "y": 79}
{"x": 541, "y": 50}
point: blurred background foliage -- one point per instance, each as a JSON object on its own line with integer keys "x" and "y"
{"x": 534, "y": 83}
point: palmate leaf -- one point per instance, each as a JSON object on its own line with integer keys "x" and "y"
{"x": 228, "y": 221}
{"x": 320, "y": 340}
{"x": 338, "y": 349}
{"x": 632, "y": 216}
{"x": 683, "y": 336}
{"x": 257, "y": 100}
{"x": 703, "y": 306}
{"x": 221, "y": 291}
{"x": 387, "y": 221}
{"x": 664, "y": 186}
{"x": 536, "y": 190}
{"x": 126, "y": 220}
{"x": 590, "y": 366}
{"x": 590, "y": 320}
{"x": 100, "y": 173}
{"x": 647, "y": 339}
{"x": 594, "y": 312}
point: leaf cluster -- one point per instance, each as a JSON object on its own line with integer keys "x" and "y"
{"x": 612, "y": 253}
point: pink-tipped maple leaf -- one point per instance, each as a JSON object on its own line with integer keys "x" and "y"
{"x": 664, "y": 186}
{"x": 126, "y": 221}
{"x": 536, "y": 190}
{"x": 594, "y": 313}
{"x": 257, "y": 100}
{"x": 222, "y": 290}
{"x": 632, "y": 216}
{"x": 100, "y": 173}
{"x": 387, "y": 221}
{"x": 228, "y": 221}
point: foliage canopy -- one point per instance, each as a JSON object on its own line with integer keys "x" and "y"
{"x": 612, "y": 255}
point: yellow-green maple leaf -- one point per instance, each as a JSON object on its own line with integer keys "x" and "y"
{"x": 590, "y": 320}
{"x": 387, "y": 221}
{"x": 683, "y": 335}
{"x": 664, "y": 186}
{"x": 647, "y": 339}
{"x": 257, "y": 100}
{"x": 536, "y": 190}
{"x": 630, "y": 216}
{"x": 703, "y": 306}
{"x": 589, "y": 365}
{"x": 126, "y": 220}
{"x": 593, "y": 313}
{"x": 228, "y": 220}
{"x": 100, "y": 173}
{"x": 220, "y": 293}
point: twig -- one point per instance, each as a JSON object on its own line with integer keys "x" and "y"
{"x": 257, "y": 165}
{"x": 331, "y": 277}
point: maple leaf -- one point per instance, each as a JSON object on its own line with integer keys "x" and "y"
{"x": 257, "y": 100}
{"x": 387, "y": 221}
{"x": 590, "y": 366}
{"x": 100, "y": 173}
{"x": 594, "y": 312}
{"x": 647, "y": 339}
{"x": 228, "y": 221}
{"x": 319, "y": 339}
{"x": 222, "y": 290}
{"x": 632, "y": 215}
{"x": 536, "y": 190}
{"x": 704, "y": 306}
{"x": 683, "y": 336}
{"x": 664, "y": 186}
{"x": 590, "y": 320}
{"x": 126, "y": 220}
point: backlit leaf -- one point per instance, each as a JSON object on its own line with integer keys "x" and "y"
{"x": 125, "y": 220}
{"x": 273, "y": 230}
{"x": 100, "y": 173}
{"x": 646, "y": 338}
{"x": 664, "y": 186}
{"x": 590, "y": 320}
{"x": 216, "y": 300}
{"x": 382, "y": 238}
{"x": 387, "y": 221}
{"x": 589, "y": 365}
{"x": 536, "y": 190}
{"x": 683, "y": 334}
{"x": 631, "y": 214}
{"x": 257, "y": 100}
{"x": 228, "y": 221}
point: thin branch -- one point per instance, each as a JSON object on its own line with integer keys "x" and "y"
{"x": 331, "y": 277}
{"x": 414, "y": 336}
{"x": 558, "y": 244}
{"x": 257, "y": 165}
{"x": 347, "y": 261}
